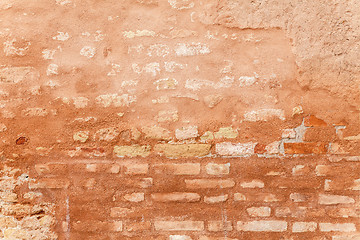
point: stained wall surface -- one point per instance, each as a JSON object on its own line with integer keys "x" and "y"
{"x": 179, "y": 119}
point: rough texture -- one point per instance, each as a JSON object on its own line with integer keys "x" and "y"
{"x": 179, "y": 119}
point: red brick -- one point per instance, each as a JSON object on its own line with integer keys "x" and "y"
{"x": 312, "y": 121}
{"x": 320, "y": 134}
{"x": 306, "y": 148}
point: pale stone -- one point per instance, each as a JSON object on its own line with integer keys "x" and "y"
{"x": 273, "y": 148}
{"x": 132, "y": 151}
{"x": 264, "y": 115}
{"x": 262, "y": 226}
{"x": 134, "y": 197}
{"x": 179, "y": 237}
{"x": 327, "y": 199}
{"x": 139, "y": 33}
{"x": 235, "y": 149}
{"x": 259, "y": 211}
{"x": 304, "y": 226}
{"x": 179, "y": 225}
{"x": 226, "y": 132}
{"x": 156, "y": 132}
{"x": 81, "y": 136}
{"x": 337, "y": 227}
{"x": 216, "y": 199}
{"x": 253, "y": 184}
{"x": 217, "y": 169}
{"x": 186, "y": 132}
{"x": 239, "y": 197}
{"x": 107, "y": 134}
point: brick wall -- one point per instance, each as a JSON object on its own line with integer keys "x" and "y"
{"x": 179, "y": 120}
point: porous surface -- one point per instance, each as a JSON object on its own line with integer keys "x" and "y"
{"x": 179, "y": 119}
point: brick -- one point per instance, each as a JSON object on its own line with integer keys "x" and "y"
{"x": 299, "y": 170}
{"x": 138, "y": 183}
{"x": 134, "y": 197}
{"x": 179, "y": 237}
{"x": 235, "y": 149}
{"x": 220, "y": 226}
{"x": 305, "y": 148}
{"x": 131, "y": 168}
{"x": 336, "y": 170}
{"x": 262, "y": 226}
{"x": 259, "y": 211}
{"x": 282, "y": 212}
{"x": 113, "y": 168}
{"x": 273, "y": 148}
{"x": 216, "y": 199}
{"x": 176, "y": 197}
{"x": 342, "y": 184}
{"x": 177, "y": 168}
{"x": 156, "y": 132}
{"x": 207, "y": 136}
{"x": 346, "y": 237}
{"x": 97, "y": 226}
{"x": 304, "y": 226}
{"x": 226, "y": 132}
{"x": 252, "y": 184}
{"x": 107, "y": 134}
{"x": 312, "y": 121}
{"x": 209, "y": 183}
{"x": 132, "y": 151}
{"x": 179, "y": 225}
{"x": 264, "y": 115}
{"x": 182, "y": 150}
{"x": 43, "y": 169}
{"x": 216, "y": 238}
{"x": 217, "y": 169}
{"x": 187, "y": 132}
{"x": 295, "y": 183}
{"x": 298, "y": 197}
{"x": 337, "y": 227}
{"x": 120, "y": 212}
{"x": 343, "y": 212}
{"x": 322, "y": 134}
{"x": 239, "y": 197}
{"x": 51, "y": 183}
{"x": 138, "y": 226}
{"x": 327, "y": 199}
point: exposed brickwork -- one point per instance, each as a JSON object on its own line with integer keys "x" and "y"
{"x": 179, "y": 120}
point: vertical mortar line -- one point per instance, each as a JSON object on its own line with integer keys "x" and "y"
{"x": 67, "y": 219}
